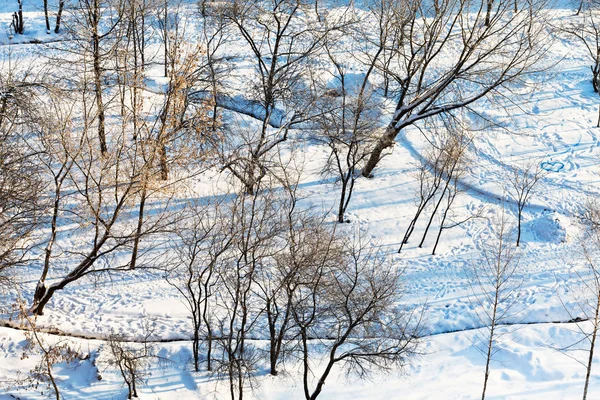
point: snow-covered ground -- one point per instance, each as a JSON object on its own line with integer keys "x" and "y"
{"x": 528, "y": 367}
{"x": 556, "y": 127}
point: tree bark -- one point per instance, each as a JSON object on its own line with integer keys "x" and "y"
{"x": 488, "y": 12}
{"x": 386, "y": 141}
{"x": 519, "y": 225}
{"x": 46, "y": 16}
{"x": 591, "y": 355}
{"x": 61, "y": 5}
{"x": 138, "y": 232}
{"x": 98, "y": 77}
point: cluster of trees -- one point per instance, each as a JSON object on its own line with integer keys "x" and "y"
{"x": 89, "y": 146}
{"x": 107, "y": 144}
{"x": 261, "y": 267}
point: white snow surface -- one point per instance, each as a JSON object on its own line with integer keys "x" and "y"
{"x": 556, "y": 125}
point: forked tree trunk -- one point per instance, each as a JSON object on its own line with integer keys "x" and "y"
{"x": 41, "y": 288}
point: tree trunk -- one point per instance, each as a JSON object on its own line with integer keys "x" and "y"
{"x": 206, "y": 319}
{"x": 437, "y": 239}
{"x": 38, "y": 309}
{"x": 490, "y": 341}
{"x": 411, "y": 226}
{"x": 325, "y": 374}
{"x": 138, "y": 232}
{"x": 433, "y": 215}
{"x": 520, "y": 213}
{"x": 98, "y": 78}
{"x": 165, "y": 38}
{"x": 164, "y": 167}
{"x": 591, "y": 355}
{"x": 489, "y": 356}
{"x": 61, "y": 5}
{"x": 143, "y": 36}
{"x": 305, "y": 369}
{"x": 488, "y": 12}
{"x": 133, "y": 386}
{"x": 41, "y": 289}
{"x": 46, "y": 17}
{"x": 78, "y": 272}
{"x": 196, "y": 343}
{"x": 273, "y": 349}
{"x": 386, "y": 141}
{"x": 341, "y": 208}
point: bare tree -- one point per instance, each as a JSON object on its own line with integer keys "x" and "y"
{"x": 353, "y": 303}
{"x": 522, "y": 184}
{"x": 51, "y": 352}
{"x": 17, "y": 23}
{"x": 57, "y": 153}
{"x": 21, "y": 179}
{"x": 103, "y": 188}
{"x": 448, "y": 219}
{"x": 280, "y": 45}
{"x": 495, "y": 285}
{"x": 454, "y": 144}
{"x": 489, "y": 57}
{"x": 181, "y": 125}
{"x": 202, "y": 248}
{"x": 254, "y": 219}
{"x": 461, "y": 139}
{"x": 587, "y": 31}
{"x": 20, "y": 206}
{"x": 94, "y": 25}
{"x": 346, "y": 126}
{"x": 213, "y": 69}
{"x": 586, "y": 294}
{"x": 430, "y": 176}
{"x": 131, "y": 360}
{"x": 309, "y": 242}
{"x": 592, "y": 284}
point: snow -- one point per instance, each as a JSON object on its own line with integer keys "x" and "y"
{"x": 556, "y": 128}
{"x": 527, "y": 366}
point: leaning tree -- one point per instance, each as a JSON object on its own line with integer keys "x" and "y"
{"x": 446, "y": 57}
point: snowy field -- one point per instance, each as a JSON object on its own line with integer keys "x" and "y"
{"x": 553, "y": 125}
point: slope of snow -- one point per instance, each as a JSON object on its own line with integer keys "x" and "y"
{"x": 556, "y": 127}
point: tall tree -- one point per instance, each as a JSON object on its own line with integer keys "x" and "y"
{"x": 281, "y": 46}
{"x": 496, "y": 285}
{"x": 480, "y": 59}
